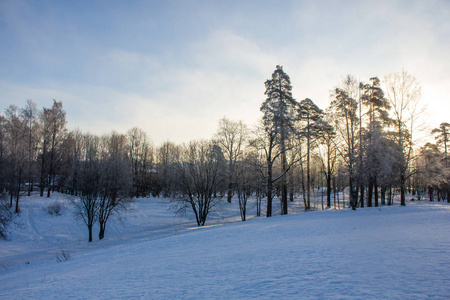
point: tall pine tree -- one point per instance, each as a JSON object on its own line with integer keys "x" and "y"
{"x": 279, "y": 118}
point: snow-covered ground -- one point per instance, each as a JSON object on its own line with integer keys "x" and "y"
{"x": 371, "y": 253}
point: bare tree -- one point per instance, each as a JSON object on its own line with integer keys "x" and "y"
{"x": 247, "y": 180}
{"x": 88, "y": 172}
{"x": 29, "y": 115}
{"x": 231, "y": 136}
{"x": 200, "y": 178}
{"x": 16, "y": 145}
{"x": 167, "y": 156}
{"x": 328, "y": 160}
{"x": 140, "y": 153}
{"x": 403, "y": 92}
{"x": 52, "y": 136}
{"x": 115, "y": 179}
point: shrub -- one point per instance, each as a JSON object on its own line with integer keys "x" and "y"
{"x": 54, "y": 209}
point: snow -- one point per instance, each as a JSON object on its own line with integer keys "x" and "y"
{"x": 372, "y": 253}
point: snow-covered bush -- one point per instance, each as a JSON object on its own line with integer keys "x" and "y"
{"x": 55, "y": 209}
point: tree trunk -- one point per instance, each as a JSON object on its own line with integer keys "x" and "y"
{"x": 258, "y": 203}
{"x": 284, "y": 201}
{"x": 291, "y": 187}
{"x": 402, "y": 190}
{"x": 305, "y": 202}
{"x": 390, "y": 196}
{"x": 17, "y": 210}
{"x": 269, "y": 188}
{"x": 42, "y": 179}
{"x": 328, "y": 191}
{"x": 269, "y": 198}
{"x": 42, "y": 187}
{"x": 90, "y": 232}
{"x": 353, "y": 195}
{"x": 383, "y": 195}
{"x": 375, "y": 194}
{"x": 361, "y": 195}
{"x": 308, "y": 171}
{"x": 101, "y": 233}
{"x": 230, "y": 193}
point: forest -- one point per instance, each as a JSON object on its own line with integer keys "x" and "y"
{"x": 364, "y": 144}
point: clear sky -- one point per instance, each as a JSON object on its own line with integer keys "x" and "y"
{"x": 174, "y": 68}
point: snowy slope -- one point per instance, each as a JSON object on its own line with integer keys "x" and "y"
{"x": 392, "y": 252}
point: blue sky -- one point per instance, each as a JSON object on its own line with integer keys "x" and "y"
{"x": 174, "y": 68}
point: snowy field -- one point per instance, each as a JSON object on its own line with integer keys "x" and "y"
{"x": 371, "y": 253}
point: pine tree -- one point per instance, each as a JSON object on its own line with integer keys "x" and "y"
{"x": 279, "y": 118}
{"x": 378, "y": 115}
{"x": 442, "y": 136}
{"x": 346, "y": 123}
{"x": 310, "y": 115}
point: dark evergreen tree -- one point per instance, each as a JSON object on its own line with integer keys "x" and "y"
{"x": 279, "y": 110}
{"x": 442, "y": 136}
{"x": 310, "y": 115}
{"x": 378, "y": 116}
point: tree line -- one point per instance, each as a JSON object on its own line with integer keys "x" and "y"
{"x": 362, "y": 143}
